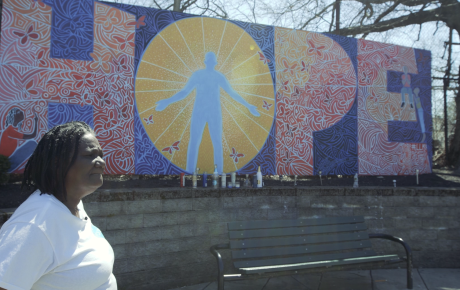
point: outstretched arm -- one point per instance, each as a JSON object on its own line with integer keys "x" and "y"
{"x": 162, "y": 104}
{"x": 228, "y": 88}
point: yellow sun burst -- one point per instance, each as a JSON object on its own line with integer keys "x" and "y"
{"x": 168, "y": 63}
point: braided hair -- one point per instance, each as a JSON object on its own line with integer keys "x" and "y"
{"x": 56, "y": 152}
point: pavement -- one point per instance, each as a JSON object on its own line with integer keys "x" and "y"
{"x": 382, "y": 279}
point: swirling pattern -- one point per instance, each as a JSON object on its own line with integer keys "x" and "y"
{"x": 388, "y": 133}
{"x": 62, "y": 113}
{"x": 72, "y": 29}
{"x": 32, "y": 77}
{"x": 316, "y": 83}
{"x": 338, "y": 99}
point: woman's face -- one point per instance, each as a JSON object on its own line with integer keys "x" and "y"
{"x": 85, "y": 175}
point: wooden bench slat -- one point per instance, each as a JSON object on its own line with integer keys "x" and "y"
{"x": 302, "y": 259}
{"x": 298, "y": 240}
{"x": 292, "y": 231}
{"x": 318, "y": 264}
{"x": 245, "y": 225}
{"x": 307, "y": 249}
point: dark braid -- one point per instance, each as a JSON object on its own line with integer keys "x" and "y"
{"x": 56, "y": 152}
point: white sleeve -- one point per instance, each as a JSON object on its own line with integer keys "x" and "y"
{"x": 26, "y": 254}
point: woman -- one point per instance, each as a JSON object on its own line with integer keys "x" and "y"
{"x": 11, "y": 136}
{"x": 49, "y": 242}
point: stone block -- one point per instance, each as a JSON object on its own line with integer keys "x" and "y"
{"x": 238, "y": 202}
{"x": 115, "y": 237}
{"x": 447, "y": 212}
{"x": 309, "y": 191}
{"x": 282, "y": 214}
{"x": 304, "y": 201}
{"x": 153, "y": 247}
{"x": 419, "y": 234}
{"x": 191, "y": 230}
{"x": 216, "y": 229}
{"x": 403, "y": 201}
{"x": 381, "y": 223}
{"x": 421, "y": 212}
{"x": 109, "y": 208}
{"x": 120, "y": 266}
{"x": 441, "y": 223}
{"x": 443, "y": 201}
{"x": 368, "y": 212}
{"x": 120, "y": 251}
{"x": 206, "y": 203}
{"x": 125, "y": 222}
{"x": 449, "y": 235}
{"x": 305, "y": 213}
{"x": 394, "y": 212}
{"x": 246, "y": 214}
{"x": 99, "y": 222}
{"x": 144, "y": 234}
{"x": 141, "y": 206}
{"x": 407, "y": 223}
{"x": 177, "y": 204}
{"x": 325, "y": 202}
{"x": 361, "y": 201}
{"x": 170, "y": 232}
{"x": 431, "y": 245}
{"x": 220, "y": 239}
{"x": 143, "y": 263}
{"x": 222, "y": 215}
{"x": 160, "y": 219}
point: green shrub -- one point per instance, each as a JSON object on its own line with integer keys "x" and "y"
{"x": 4, "y": 166}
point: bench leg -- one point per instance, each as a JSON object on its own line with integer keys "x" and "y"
{"x": 409, "y": 270}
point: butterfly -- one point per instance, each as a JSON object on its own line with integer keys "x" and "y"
{"x": 173, "y": 147}
{"x": 149, "y": 120}
{"x": 288, "y": 159}
{"x": 267, "y": 106}
{"x": 313, "y": 49}
{"x": 290, "y": 130}
{"x": 304, "y": 66}
{"x": 263, "y": 58}
{"x": 235, "y": 155}
{"x": 284, "y": 86}
{"x": 288, "y": 68}
{"x": 140, "y": 22}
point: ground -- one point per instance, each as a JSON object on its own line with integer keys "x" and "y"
{"x": 11, "y": 194}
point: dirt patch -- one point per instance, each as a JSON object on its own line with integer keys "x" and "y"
{"x": 12, "y": 196}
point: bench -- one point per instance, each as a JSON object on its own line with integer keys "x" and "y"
{"x": 284, "y": 247}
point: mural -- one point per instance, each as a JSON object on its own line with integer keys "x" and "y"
{"x": 169, "y": 92}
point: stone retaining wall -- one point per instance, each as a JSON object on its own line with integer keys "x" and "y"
{"x": 161, "y": 237}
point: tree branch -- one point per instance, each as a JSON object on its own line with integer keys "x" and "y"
{"x": 446, "y": 13}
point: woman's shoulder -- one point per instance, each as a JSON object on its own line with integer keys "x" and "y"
{"x": 38, "y": 208}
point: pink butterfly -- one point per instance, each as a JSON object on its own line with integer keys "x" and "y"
{"x": 263, "y": 58}
{"x": 173, "y": 147}
{"x": 304, "y": 66}
{"x": 140, "y": 22}
{"x": 290, "y": 130}
{"x": 284, "y": 86}
{"x": 267, "y": 106}
{"x": 149, "y": 120}
{"x": 235, "y": 155}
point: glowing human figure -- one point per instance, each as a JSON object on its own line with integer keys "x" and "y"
{"x": 418, "y": 106}
{"x": 206, "y": 109}
{"x": 406, "y": 89}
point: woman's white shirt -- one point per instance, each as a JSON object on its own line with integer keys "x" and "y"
{"x": 44, "y": 247}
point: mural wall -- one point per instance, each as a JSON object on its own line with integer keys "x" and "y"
{"x": 168, "y": 92}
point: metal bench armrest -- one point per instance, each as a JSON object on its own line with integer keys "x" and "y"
{"x": 220, "y": 263}
{"x": 406, "y": 248}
